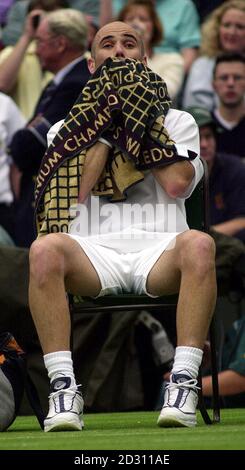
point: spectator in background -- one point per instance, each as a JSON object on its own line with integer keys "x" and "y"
{"x": 205, "y": 7}
{"x": 229, "y": 116}
{"x": 223, "y": 31}
{"x": 18, "y": 12}
{"x": 226, "y": 180}
{"x": 61, "y": 43}
{"x": 10, "y": 121}
{"x": 5, "y": 5}
{"x": 15, "y": 24}
{"x": 180, "y": 22}
{"x": 93, "y": 27}
{"x": 232, "y": 377}
{"x": 21, "y": 75}
{"x": 142, "y": 15}
{"x": 88, "y": 7}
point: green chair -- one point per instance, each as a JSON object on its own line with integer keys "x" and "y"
{"x": 197, "y": 217}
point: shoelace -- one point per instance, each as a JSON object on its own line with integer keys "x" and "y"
{"x": 72, "y": 389}
{"x": 191, "y": 384}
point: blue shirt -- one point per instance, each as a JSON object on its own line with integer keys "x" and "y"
{"x": 227, "y": 190}
{"x": 232, "y": 140}
{"x": 180, "y": 22}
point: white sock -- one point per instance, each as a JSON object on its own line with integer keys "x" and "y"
{"x": 188, "y": 359}
{"x": 59, "y": 364}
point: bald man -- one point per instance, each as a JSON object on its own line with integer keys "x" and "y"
{"x": 178, "y": 261}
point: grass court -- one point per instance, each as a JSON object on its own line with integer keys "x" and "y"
{"x": 129, "y": 431}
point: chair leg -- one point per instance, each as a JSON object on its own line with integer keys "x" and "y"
{"x": 215, "y": 384}
{"x": 216, "y": 403}
{"x": 70, "y": 303}
{"x": 201, "y": 403}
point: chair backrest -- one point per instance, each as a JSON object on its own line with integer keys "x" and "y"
{"x": 197, "y": 205}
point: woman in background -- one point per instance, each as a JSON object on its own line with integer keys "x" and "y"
{"x": 223, "y": 31}
{"x": 142, "y": 15}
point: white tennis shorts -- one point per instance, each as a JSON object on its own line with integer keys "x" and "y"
{"x": 123, "y": 272}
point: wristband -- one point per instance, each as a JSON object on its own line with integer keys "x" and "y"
{"x": 104, "y": 141}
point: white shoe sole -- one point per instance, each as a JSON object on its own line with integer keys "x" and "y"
{"x": 169, "y": 419}
{"x": 63, "y": 423}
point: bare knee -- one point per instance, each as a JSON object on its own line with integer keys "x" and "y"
{"x": 46, "y": 258}
{"x": 197, "y": 252}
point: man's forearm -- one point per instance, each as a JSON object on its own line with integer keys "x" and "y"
{"x": 231, "y": 227}
{"x": 9, "y": 68}
{"x": 94, "y": 164}
{"x": 189, "y": 54}
{"x": 174, "y": 178}
{"x": 106, "y": 13}
{"x": 230, "y": 383}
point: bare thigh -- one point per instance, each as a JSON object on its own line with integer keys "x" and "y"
{"x": 81, "y": 278}
{"x": 164, "y": 277}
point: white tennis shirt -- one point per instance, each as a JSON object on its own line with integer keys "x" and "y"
{"x": 148, "y": 216}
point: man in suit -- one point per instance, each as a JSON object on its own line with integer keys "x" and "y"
{"x": 61, "y": 43}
